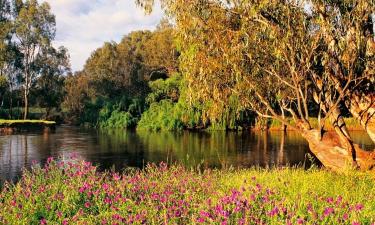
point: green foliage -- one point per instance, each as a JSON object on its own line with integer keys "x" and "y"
{"x": 165, "y": 89}
{"x": 163, "y": 115}
{"x": 119, "y": 119}
{"x": 111, "y": 89}
{"x": 168, "y": 107}
{"x": 122, "y": 114}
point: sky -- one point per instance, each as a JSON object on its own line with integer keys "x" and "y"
{"x": 84, "y": 25}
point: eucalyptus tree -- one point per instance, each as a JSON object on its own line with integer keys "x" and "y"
{"x": 283, "y": 56}
{"x": 5, "y": 33}
{"x": 34, "y": 29}
{"x": 53, "y": 65}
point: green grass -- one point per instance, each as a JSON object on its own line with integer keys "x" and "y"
{"x": 73, "y": 192}
{"x": 21, "y": 122}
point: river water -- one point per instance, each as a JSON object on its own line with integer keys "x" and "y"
{"x": 119, "y": 149}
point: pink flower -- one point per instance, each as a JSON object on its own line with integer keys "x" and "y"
{"x": 300, "y": 221}
{"x": 328, "y": 211}
{"x": 49, "y": 160}
{"x": 274, "y": 211}
{"x": 43, "y": 221}
{"x": 105, "y": 186}
{"x": 200, "y": 220}
{"x": 359, "y": 207}
{"x": 107, "y": 200}
{"x": 87, "y": 204}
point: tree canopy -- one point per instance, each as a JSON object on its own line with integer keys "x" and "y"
{"x": 278, "y": 57}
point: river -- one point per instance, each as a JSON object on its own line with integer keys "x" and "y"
{"x": 119, "y": 149}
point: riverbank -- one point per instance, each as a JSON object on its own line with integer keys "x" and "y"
{"x": 11, "y": 126}
{"x": 76, "y": 193}
{"x": 351, "y": 123}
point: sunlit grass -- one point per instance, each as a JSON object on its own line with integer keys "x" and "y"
{"x": 351, "y": 123}
{"x": 74, "y": 192}
{"x": 20, "y": 122}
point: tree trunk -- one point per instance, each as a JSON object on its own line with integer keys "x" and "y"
{"x": 330, "y": 151}
{"x": 26, "y": 109}
{"x": 363, "y": 109}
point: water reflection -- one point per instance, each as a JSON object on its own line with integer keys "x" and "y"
{"x": 135, "y": 149}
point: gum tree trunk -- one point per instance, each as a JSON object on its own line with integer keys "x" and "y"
{"x": 363, "y": 110}
{"x": 335, "y": 149}
{"x": 332, "y": 154}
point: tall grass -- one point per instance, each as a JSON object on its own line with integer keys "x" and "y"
{"x": 74, "y": 192}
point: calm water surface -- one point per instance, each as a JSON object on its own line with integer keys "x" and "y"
{"x": 121, "y": 149}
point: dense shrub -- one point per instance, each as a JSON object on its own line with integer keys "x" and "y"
{"x": 119, "y": 119}
{"x": 163, "y": 115}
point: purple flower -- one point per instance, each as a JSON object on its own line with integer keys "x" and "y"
{"x": 328, "y": 211}
{"x": 87, "y": 204}
{"x": 274, "y": 211}
{"x": 300, "y": 221}
{"x": 49, "y": 160}
{"x": 359, "y": 207}
{"x": 105, "y": 186}
{"x": 200, "y": 220}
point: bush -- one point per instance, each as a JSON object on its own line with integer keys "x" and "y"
{"x": 162, "y": 115}
{"x": 119, "y": 119}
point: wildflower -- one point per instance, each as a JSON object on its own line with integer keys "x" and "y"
{"x": 105, "y": 186}
{"x": 87, "y": 204}
{"x": 274, "y": 211}
{"x": 300, "y": 221}
{"x": 200, "y": 220}
{"x": 43, "y": 221}
{"x": 356, "y": 223}
{"x": 49, "y": 160}
{"x": 107, "y": 200}
{"x": 328, "y": 211}
{"x": 359, "y": 207}
{"x": 330, "y": 200}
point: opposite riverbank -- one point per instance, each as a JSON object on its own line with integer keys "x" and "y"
{"x": 11, "y": 126}
{"x": 74, "y": 192}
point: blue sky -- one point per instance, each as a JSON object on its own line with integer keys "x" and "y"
{"x": 84, "y": 25}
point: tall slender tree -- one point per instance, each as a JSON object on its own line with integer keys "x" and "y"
{"x": 35, "y": 28}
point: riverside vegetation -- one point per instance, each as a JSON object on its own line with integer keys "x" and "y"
{"x": 74, "y": 192}
{"x": 218, "y": 65}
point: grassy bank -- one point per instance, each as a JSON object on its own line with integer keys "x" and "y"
{"x": 12, "y": 123}
{"x": 12, "y": 126}
{"x": 351, "y": 124}
{"x": 76, "y": 193}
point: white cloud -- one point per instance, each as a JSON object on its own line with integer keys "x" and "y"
{"x": 84, "y": 25}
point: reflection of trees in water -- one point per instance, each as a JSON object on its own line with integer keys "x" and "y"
{"x": 135, "y": 149}
{"x": 223, "y": 149}
{"x": 15, "y": 150}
